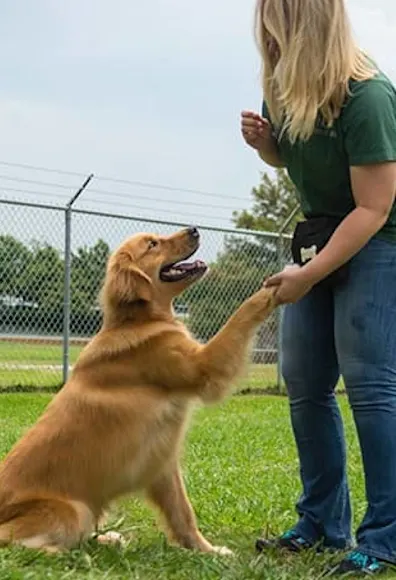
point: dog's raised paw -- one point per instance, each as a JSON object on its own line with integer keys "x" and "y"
{"x": 111, "y": 539}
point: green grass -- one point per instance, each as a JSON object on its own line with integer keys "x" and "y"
{"x": 39, "y": 354}
{"x": 241, "y": 473}
{"x": 29, "y": 380}
{"x": 24, "y": 364}
{"x": 258, "y": 376}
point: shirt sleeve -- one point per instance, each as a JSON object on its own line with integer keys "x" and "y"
{"x": 369, "y": 123}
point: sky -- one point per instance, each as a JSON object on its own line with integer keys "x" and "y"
{"x": 147, "y": 92}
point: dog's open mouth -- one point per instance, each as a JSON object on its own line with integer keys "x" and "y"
{"x": 181, "y": 270}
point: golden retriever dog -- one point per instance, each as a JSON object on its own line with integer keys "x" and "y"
{"x": 118, "y": 424}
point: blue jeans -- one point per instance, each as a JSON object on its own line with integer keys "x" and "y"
{"x": 351, "y": 331}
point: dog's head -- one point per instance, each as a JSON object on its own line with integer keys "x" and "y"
{"x": 148, "y": 268}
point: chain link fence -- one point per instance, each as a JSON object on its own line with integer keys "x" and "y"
{"x": 52, "y": 266}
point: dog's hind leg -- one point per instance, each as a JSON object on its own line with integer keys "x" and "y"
{"x": 169, "y": 495}
{"x": 51, "y": 525}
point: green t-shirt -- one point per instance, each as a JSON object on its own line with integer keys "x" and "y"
{"x": 364, "y": 133}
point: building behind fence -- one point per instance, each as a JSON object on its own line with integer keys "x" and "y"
{"x": 49, "y": 286}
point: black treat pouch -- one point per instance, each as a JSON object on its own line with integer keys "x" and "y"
{"x": 309, "y": 239}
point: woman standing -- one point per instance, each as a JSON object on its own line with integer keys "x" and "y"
{"x": 329, "y": 117}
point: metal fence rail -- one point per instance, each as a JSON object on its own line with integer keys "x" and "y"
{"x": 52, "y": 263}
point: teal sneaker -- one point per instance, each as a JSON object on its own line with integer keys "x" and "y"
{"x": 290, "y": 541}
{"x": 358, "y": 564}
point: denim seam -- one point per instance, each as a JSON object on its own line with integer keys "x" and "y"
{"x": 341, "y": 441}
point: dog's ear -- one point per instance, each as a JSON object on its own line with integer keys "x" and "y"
{"x": 126, "y": 283}
{"x": 133, "y": 284}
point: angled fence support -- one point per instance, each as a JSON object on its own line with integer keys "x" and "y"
{"x": 67, "y": 272}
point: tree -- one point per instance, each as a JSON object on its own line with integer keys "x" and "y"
{"x": 274, "y": 201}
{"x": 14, "y": 256}
{"x": 42, "y": 280}
{"x": 275, "y": 209}
{"x": 32, "y": 287}
{"x": 87, "y": 272}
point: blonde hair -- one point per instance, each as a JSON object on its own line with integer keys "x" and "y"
{"x": 308, "y": 57}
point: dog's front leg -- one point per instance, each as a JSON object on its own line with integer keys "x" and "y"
{"x": 222, "y": 359}
{"x": 169, "y": 496}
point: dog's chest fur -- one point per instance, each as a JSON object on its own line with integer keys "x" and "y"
{"x": 161, "y": 441}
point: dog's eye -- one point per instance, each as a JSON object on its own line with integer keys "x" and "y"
{"x": 152, "y": 244}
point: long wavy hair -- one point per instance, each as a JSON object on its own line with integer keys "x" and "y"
{"x": 308, "y": 56}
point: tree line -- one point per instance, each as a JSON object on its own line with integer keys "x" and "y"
{"x": 32, "y": 287}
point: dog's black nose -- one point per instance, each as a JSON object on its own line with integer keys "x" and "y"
{"x": 193, "y": 232}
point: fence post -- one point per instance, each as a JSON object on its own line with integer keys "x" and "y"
{"x": 280, "y": 266}
{"x": 67, "y": 272}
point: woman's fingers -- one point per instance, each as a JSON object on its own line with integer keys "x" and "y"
{"x": 253, "y": 122}
{"x": 254, "y": 128}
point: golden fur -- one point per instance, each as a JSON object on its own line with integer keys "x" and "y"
{"x": 118, "y": 424}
